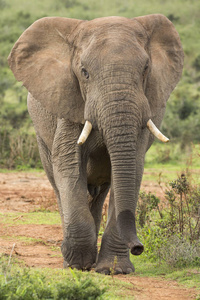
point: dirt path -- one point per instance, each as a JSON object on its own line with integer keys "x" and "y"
{"x": 38, "y": 245}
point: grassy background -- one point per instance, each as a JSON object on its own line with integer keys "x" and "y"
{"x": 18, "y": 148}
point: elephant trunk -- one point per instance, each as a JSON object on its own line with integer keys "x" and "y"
{"x": 120, "y": 134}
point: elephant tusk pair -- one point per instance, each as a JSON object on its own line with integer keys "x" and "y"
{"x": 150, "y": 125}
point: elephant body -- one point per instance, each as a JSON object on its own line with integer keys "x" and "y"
{"x": 116, "y": 73}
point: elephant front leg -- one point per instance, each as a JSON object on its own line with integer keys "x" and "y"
{"x": 113, "y": 255}
{"x": 79, "y": 244}
{"x": 79, "y": 247}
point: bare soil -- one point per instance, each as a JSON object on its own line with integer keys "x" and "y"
{"x": 39, "y": 245}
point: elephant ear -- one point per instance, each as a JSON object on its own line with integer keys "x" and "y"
{"x": 166, "y": 55}
{"x": 41, "y": 59}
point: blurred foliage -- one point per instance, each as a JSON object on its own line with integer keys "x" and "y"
{"x": 182, "y": 117}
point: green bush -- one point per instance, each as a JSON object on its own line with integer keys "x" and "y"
{"x": 181, "y": 121}
{"x": 18, "y": 149}
{"x": 172, "y": 249}
{"x": 25, "y": 284}
{"x": 184, "y": 202}
{"x": 146, "y": 204}
{"x": 179, "y": 252}
{"x": 171, "y": 234}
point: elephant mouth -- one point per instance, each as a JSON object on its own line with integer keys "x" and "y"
{"x": 150, "y": 125}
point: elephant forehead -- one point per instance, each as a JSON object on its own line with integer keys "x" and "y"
{"x": 109, "y": 51}
{"x": 112, "y": 34}
{"x": 106, "y": 21}
{"x": 109, "y": 27}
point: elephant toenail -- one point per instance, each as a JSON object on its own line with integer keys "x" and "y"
{"x": 129, "y": 270}
{"x": 118, "y": 271}
{"x": 104, "y": 271}
{"x": 88, "y": 267}
{"x": 65, "y": 264}
{"x": 75, "y": 266}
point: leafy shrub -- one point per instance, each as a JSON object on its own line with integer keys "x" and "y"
{"x": 181, "y": 120}
{"x": 154, "y": 238}
{"x": 196, "y": 63}
{"x": 172, "y": 234}
{"x": 184, "y": 201}
{"x": 70, "y": 3}
{"x": 146, "y": 203}
{"x": 18, "y": 149}
{"x": 173, "y": 18}
{"x": 179, "y": 252}
{"x": 25, "y": 284}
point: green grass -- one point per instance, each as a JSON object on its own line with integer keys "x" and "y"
{"x": 35, "y": 171}
{"x": 24, "y": 239}
{"x": 172, "y": 155}
{"x": 23, "y": 283}
{"x": 160, "y": 172}
{"x": 17, "y": 282}
{"x": 167, "y": 173}
{"x": 165, "y": 162}
{"x": 40, "y": 218}
{"x": 189, "y": 277}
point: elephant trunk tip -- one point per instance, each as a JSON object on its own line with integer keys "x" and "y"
{"x": 127, "y": 230}
{"x": 136, "y": 248}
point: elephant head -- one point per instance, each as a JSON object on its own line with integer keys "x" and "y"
{"x": 115, "y": 73}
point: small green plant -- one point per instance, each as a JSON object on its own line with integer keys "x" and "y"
{"x": 113, "y": 268}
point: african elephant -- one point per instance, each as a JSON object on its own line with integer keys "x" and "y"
{"x": 114, "y": 75}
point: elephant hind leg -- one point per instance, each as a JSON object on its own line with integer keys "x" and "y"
{"x": 45, "y": 156}
{"x": 96, "y": 198}
{"x": 94, "y": 190}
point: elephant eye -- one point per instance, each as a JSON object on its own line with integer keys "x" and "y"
{"x": 85, "y": 73}
{"x": 144, "y": 74}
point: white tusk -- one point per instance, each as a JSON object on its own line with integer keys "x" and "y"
{"x": 156, "y": 132}
{"x": 85, "y": 133}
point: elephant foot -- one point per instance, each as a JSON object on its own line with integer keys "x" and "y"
{"x": 88, "y": 267}
{"x": 80, "y": 257}
{"x": 115, "y": 265}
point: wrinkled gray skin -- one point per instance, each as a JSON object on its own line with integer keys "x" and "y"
{"x": 117, "y": 73}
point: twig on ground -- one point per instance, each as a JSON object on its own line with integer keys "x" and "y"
{"x": 9, "y": 261}
{"x": 11, "y": 255}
